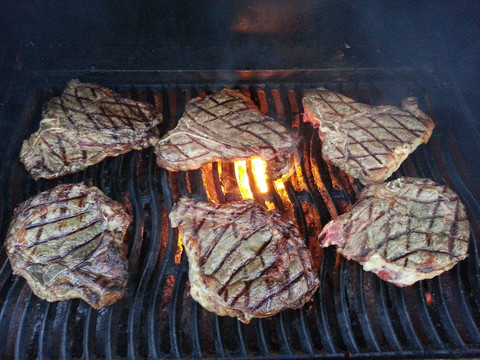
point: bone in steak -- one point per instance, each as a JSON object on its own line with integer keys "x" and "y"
{"x": 367, "y": 142}
{"x": 405, "y": 230}
{"x": 67, "y": 242}
{"x": 226, "y": 126}
{"x": 86, "y": 124}
{"x": 244, "y": 261}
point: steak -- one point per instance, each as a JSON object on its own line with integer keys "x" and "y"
{"x": 367, "y": 142}
{"x": 68, "y": 242}
{"x": 83, "y": 126}
{"x": 244, "y": 261}
{"x": 226, "y": 126}
{"x": 404, "y": 230}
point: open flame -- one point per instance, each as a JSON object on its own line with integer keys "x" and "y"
{"x": 178, "y": 253}
{"x": 242, "y": 179}
{"x": 259, "y": 169}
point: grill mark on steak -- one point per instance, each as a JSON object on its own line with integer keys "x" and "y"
{"x": 367, "y": 150}
{"x": 59, "y": 236}
{"x": 349, "y": 131}
{"x": 53, "y": 152}
{"x": 374, "y": 137}
{"x": 249, "y": 248}
{"x": 85, "y": 112}
{"x": 232, "y": 99}
{"x": 85, "y": 125}
{"x": 124, "y": 119}
{"x": 230, "y": 127}
{"x": 340, "y": 101}
{"x": 381, "y": 126}
{"x": 414, "y": 132}
{"x": 453, "y": 228}
{"x": 203, "y": 259}
{"x": 53, "y": 201}
{"x": 236, "y": 245}
{"x": 246, "y": 262}
{"x": 420, "y": 230}
{"x": 236, "y": 126}
{"x": 73, "y": 249}
{"x": 51, "y": 221}
{"x": 285, "y": 287}
{"x": 83, "y": 254}
{"x": 427, "y": 250}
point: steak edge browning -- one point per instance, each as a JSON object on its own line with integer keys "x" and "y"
{"x": 404, "y": 231}
{"x": 68, "y": 242}
{"x": 244, "y": 261}
{"x": 83, "y": 126}
{"x": 225, "y": 126}
{"x": 367, "y": 142}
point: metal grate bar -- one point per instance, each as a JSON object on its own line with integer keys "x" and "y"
{"x": 364, "y": 320}
{"x": 403, "y": 314}
{"x": 353, "y": 313}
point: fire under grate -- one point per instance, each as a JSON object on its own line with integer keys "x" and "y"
{"x": 353, "y": 314}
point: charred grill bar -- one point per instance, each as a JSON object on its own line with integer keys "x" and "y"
{"x": 353, "y": 314}
{"x": 167, "y": 52}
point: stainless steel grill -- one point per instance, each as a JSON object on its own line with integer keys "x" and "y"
{"x": 354, "y": 314}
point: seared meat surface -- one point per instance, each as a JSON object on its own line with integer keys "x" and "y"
{"x": 226, "y": 126}
{"x": 405, "y": 230}
{"x": 67, "y": 242}
{"x": 244, "y": 261}
{"x": 86, "y": 124}
{"x": 367, "y": 142}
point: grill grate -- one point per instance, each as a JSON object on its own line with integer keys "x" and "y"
{"x": 354, "y": 314}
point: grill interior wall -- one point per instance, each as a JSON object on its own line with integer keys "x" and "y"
{"x": 352, "y": 313}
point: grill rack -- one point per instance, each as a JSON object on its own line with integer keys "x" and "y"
{"x": 354, "y": 314}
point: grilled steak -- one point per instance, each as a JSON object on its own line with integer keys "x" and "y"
{"x": 85, "y": 125}
{"x": 367, "y": 142}
{"x": 244, "y": 261}
{"x": 226, "y": 126}
{"x": 405, "y": 230}
{"x": 68, "y": 243}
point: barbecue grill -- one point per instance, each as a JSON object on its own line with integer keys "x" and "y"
{"x": 272, "y": 56}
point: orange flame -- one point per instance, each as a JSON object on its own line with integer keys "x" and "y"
{"x": 178, "y": 253}
{"x": 219, "y": 169}
{"x": 242, "y": 179}
{"x": 259, "y": 169}
{"x": 280, "y": 187}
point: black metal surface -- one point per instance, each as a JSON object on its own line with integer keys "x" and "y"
{"x": 354, "y": 314}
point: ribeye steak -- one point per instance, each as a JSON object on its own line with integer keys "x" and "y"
{"x": 225, "y": 126}
{"x": 404, "y": 230}
{"x": 367, "y": 142}
{"x": 83, "y": 126}
{"x": 68, "y": 242}
{"x": 244, "y": 261}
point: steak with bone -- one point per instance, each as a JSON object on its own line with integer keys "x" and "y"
{"x": 244, "y": 261}
{"x": 68, "y": 242}
{"x": 367, "y": 142}
{"x": 225, "y": 126}
{"x": 83, "y": 126}
{"x": 404, "y": 230}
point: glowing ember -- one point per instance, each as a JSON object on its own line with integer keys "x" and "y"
{"x": 259, "y": 169}
{"x": 279, "y": 184}
{"x": 219, "y": 169}
{"x": 178, "y": 253}
{"x": 270, "y": 205}
{"x": 242, "y": 179}
{"x": 280, "y": 187}
{"x": 428, "y": 298}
